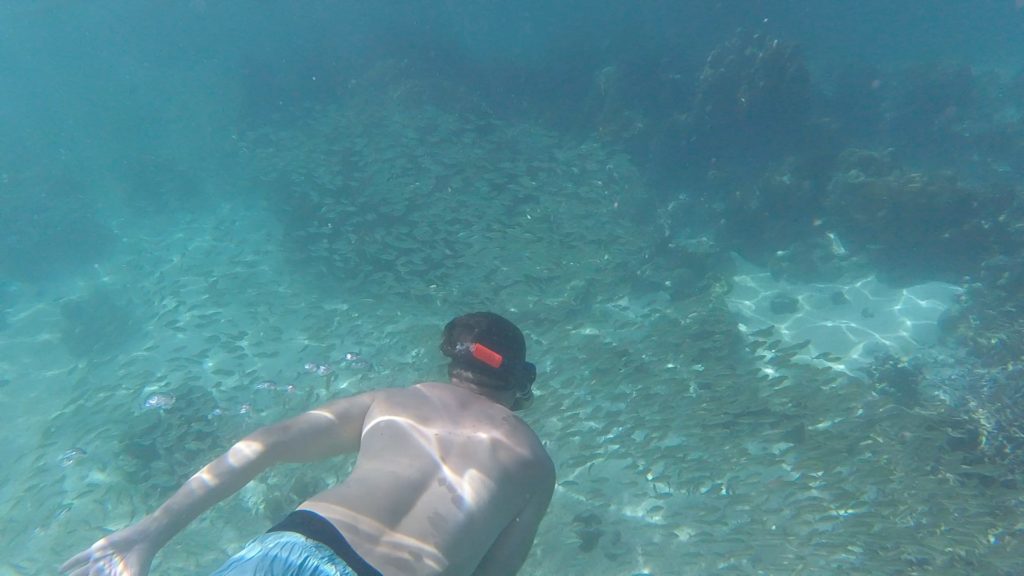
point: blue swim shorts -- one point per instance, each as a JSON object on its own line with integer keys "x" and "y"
{"x": 285, "y": 553}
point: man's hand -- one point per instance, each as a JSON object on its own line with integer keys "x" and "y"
{"x": 334, "y": 428}
{"x": 127, "y": 552}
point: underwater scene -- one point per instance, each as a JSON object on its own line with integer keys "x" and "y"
{"x": 768, "y": 258}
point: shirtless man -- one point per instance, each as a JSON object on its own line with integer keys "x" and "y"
{"x": 447, "y": 480}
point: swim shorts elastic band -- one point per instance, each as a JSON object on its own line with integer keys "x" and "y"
{"x": 316, "y": 527}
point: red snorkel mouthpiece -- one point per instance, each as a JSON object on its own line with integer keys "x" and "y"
{"x": 486, "y": 355}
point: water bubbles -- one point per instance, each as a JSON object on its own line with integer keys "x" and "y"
{"x": 159, "y": 401}
{"x": 267, "y": 385}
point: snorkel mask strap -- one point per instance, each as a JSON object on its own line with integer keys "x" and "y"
{"x": 482, "y": 353}
{"x": 521, "y": 375}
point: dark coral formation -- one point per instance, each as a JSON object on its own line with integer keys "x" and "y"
{"x": 777, "y": 221}
{"x": 989, "y": 323}
{"x": 915, "y": 226}
{"x": 998, "y": 399}
{"x": 897, "y": 378}
{"x": 752, "y": 98}
{"x": 815, "y": 219}
{"x": 1005, "y": 278}
{"x": 930, "y": 106}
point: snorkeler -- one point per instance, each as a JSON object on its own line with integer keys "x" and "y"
{"x": 447, "y": 479}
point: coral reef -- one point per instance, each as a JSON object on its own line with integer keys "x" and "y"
{"x": 776, "y": 221}
{"x": 998, "y": 403}
{"x": 855, "y": 101}
{"x": 914, "y": 226}
{"x": 896, "y": 377}
{"x": 752, "y": 98}
{"x": 989, "y": 322}
{"x": 610, "y": 106}
{"x": 930, "y": 105}
{"x": 990, "y": 396}
{"x": 682, "y": 268}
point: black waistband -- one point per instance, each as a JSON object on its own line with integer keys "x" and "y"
{"x": 316, "y": 527}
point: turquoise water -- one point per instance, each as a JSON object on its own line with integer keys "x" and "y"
{"x": 199, "y": 202}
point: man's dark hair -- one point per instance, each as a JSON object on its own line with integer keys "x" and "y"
{"x": 494, "y": 332}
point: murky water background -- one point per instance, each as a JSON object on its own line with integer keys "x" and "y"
{"x": 213, "y": 221}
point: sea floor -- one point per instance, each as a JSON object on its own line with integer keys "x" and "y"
{"x": 683, "y": 443}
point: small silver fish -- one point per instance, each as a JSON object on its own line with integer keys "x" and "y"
{"x": 159, "y": 401}
{"x": 71, "y": 456}
{"x": 837, "y": 247}
{"x": 355, "y": 360}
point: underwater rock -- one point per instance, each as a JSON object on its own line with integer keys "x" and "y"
{"x": 838, "y": 298}
{"x": 682, "y": 268}
{"x": 784, "y": 304}
{"x": 895, "y": 376}
{"x": 588, "y": 528}
{"x": 611, "y": 105}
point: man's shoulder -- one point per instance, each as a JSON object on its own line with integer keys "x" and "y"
{"x": 535, "y": 454}
{"x": 416, "y": 389}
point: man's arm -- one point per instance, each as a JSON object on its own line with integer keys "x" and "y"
{"x": 323, "y": 432}
{"x": 510, "y": 549}
{"x": 332, "y": 429}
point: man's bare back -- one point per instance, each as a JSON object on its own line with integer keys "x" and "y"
{"x": 441, "y": 473}
{"x": 447, "y": 482}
